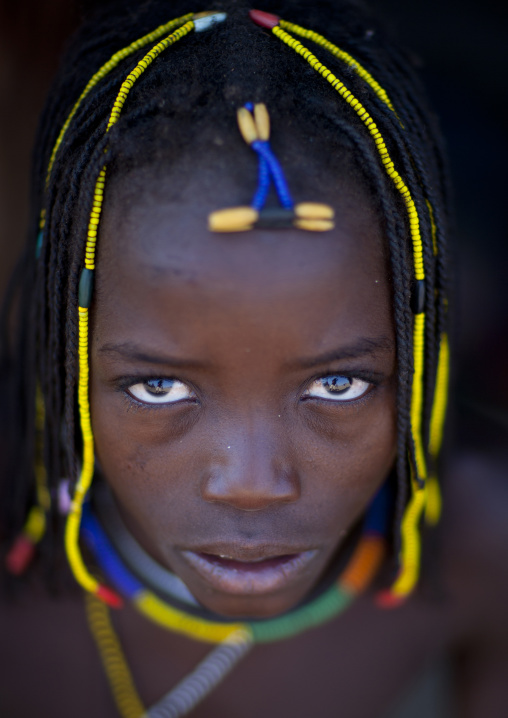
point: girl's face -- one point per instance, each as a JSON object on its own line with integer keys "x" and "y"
{"x": 243, "y": 389}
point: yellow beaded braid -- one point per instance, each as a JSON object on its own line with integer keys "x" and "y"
{"x": 433, "y": 504}
{"x": 22, "y": 550}
{"x": 410, "y": 550}
{"x": 113, "y": 61}
{"x": 77, "y": 564}
{"x": 36, "y": 522}
{"x": 341, "y": 55}
{"x": 376, "y": 135}
{"x": 433, "y": 228}
{"x": 437, "y": 419}
{"x": 115, "y": 666}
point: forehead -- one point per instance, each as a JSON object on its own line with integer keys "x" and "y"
{"x": 155, "y": 250}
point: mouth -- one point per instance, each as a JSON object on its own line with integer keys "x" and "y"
{"x": 245, "y": 573}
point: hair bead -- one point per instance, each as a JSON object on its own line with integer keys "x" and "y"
{"x": 85, "y": 290}
{"x": 314, "y": 225}
{"x": 124, "y": 691}
{"x": 314, "y": 210}
{"x": 232, "y": 219}
{"x": 418, "y": 296}
{"x": 437, "y": 421}
{"x": 388, "y": 164}
{"x": 275, "y": 218}
{"x": 262, "y": 121}
{"x": 247, "y": 125}
{"x": 205, "y": 20}
{"x": 264, "y": 19}
{"x": 38, "y": 244}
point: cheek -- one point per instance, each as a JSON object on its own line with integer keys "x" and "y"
{"x": 348, "y": 459}
{"x": 140, "y": 452}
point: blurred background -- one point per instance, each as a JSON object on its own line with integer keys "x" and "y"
{"x": 460, "y": 47}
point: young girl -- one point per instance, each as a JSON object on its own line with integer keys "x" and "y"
{"x": 229, "y": 351}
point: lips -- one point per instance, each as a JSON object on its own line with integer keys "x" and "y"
{"x": 249, "y": 572}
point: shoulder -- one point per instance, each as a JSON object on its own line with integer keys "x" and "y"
{"x": 475, "y": 534}
{"x": 475, "y": 565}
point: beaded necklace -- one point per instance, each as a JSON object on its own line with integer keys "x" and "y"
{"x": 235, "y": 638}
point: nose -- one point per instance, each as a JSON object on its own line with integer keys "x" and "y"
{"x": 251, "y": 474}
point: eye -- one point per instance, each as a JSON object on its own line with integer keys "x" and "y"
{"x": 336, "y": 387}
{"x": 160, "y": 391}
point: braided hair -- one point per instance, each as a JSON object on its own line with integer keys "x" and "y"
{"x": 111, "y": 109}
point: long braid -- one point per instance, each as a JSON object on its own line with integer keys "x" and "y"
{"x": 76, "y": 262}
{"x": 395, "y": 232}
{"x": 68, "y": 196}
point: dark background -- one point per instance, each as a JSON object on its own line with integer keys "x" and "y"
{"x": 461, "y": 48}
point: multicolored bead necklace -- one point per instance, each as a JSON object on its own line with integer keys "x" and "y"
{"x": 235, "y": 638}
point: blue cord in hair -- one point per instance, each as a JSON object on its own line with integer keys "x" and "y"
{"x": 264, "y": 151}
{"x": 263, "y": 184}
{"x": 269, "y": 167}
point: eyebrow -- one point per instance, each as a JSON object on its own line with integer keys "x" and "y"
{"x": 133, "y": 352}
{"x": 363, "y": 348}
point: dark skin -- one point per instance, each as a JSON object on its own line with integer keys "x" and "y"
{"x": 256, "y": 458}
{"x": 300, "y": 471}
